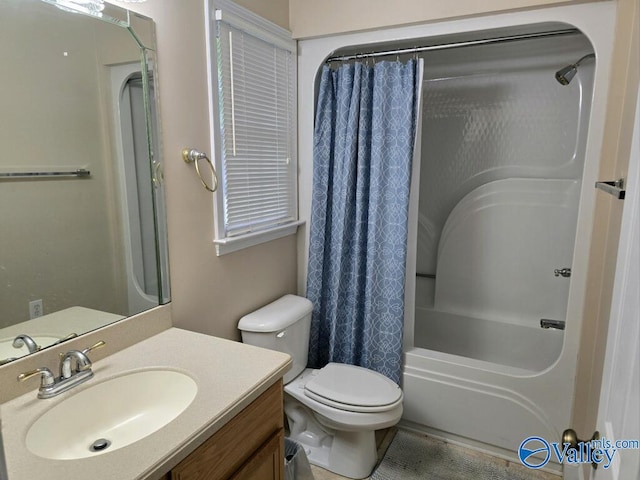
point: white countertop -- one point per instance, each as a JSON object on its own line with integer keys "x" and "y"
{"x": 230, "y": 375}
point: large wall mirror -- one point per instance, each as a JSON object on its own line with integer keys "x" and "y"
{"x": 82, "y": 220}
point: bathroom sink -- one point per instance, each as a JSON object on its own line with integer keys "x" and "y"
{"x": 7, "y": 350}
{"x": 111, "y": 414}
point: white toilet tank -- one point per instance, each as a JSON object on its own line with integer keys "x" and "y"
{"x": 284, "y": 326}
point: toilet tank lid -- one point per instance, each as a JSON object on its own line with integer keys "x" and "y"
{"x": 277, "y": 315}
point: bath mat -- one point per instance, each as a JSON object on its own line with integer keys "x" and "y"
{"x": 416, "y": 457}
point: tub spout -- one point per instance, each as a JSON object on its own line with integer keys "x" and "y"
{"x": 555, "y": 324}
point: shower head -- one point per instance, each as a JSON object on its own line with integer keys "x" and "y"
{"x": 564, "y": 75}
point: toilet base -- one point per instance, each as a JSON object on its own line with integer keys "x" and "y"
{"x": 350, "y": 454}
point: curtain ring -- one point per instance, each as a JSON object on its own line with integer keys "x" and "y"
{"x": 191, "y": 155}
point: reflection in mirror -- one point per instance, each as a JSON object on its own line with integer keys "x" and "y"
{"x": 77, "y": 251}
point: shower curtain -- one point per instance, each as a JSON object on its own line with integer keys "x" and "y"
{"x": 363, "y": 145}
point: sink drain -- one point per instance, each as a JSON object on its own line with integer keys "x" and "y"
{"x": 100, "y": 445}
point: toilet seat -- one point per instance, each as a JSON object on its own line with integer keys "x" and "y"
{"x": 352, "y": 388}
{"x": 342, "y": 418}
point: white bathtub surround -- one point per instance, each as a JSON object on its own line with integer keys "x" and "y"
{"x": 504, "y": 161}
{"x": 496, "y": 402}
{"x": 499, "y": 248}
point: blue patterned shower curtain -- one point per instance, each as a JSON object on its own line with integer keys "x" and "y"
{"x": 363, "y": 147}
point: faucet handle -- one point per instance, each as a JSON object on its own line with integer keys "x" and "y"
{"x": 46, "y": 377}
{"x": 99, "y": 344}
{"x": 66, "y": 337}
{"x": 96, "y": 345}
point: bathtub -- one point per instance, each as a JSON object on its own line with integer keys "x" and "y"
{"x": 503, "y": 346}
{"x": 484, "y": 383}
{"x": 480, "y": 368}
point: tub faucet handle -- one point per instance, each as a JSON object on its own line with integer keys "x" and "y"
{"x": 562, "y": 272}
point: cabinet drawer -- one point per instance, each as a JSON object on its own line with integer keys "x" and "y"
{"x": 225, "y": 452}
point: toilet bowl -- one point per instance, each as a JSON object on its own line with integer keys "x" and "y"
{"x": 340, "y": 436}
{"x": 333, "y": 411}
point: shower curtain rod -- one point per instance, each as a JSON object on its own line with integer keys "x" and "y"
{"x": 445, "y": 46}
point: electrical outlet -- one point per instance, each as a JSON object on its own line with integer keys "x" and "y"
{"x": 35, "y": 308}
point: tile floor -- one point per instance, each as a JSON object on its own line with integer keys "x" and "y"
{"x": 384, "y": 438}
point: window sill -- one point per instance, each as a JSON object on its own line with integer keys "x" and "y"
{"x": 233, "y": 244}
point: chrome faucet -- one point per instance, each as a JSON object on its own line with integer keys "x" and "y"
{"x": 22, "y": 340}
{"x": 74, "y": 362}
{"x": 75, "y": 368}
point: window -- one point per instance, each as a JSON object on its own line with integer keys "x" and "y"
{"x": 252, "y": 77}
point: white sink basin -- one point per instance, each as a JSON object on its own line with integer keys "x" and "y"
{"x": 7, "y": 350}
{"x": 121, "y": 410}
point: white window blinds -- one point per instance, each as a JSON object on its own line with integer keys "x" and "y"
{"x": 256, "y": 95}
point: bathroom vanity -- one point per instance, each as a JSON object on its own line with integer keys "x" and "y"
{"x": 233, "y": 427}
{"x": 250, "y": 446}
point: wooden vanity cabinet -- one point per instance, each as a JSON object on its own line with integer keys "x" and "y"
{"x": 249, "y": 447}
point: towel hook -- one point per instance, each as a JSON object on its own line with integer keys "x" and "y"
{"x": 191, "y": 155}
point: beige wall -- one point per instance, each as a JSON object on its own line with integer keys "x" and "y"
{"x": 209, "y": 293}
{"x": 276, "y": 11}
{"x": 311, "y": 18}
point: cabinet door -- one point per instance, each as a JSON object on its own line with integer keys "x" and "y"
{"x": 227, "y": 451}
{"x": 266, "y": 464}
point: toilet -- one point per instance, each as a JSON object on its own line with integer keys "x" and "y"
{"x": 333, "y": 411}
